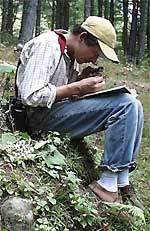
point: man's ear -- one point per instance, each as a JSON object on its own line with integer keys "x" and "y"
{"x": 83, "y": 35}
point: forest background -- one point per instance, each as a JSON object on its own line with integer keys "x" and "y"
{"x": 64, "y": 207}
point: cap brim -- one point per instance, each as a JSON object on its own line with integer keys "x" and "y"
{"x": 108, "y": 52}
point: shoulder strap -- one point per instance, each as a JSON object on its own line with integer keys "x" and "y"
{"x": 62, "y": 43}
{"x": 61, "y": 40}
{"x": 16, "y": 88}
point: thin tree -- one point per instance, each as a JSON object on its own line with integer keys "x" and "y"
{"x": 106, "y": 9}
{"x": 28, "y": 20}
{"x": 16, "y": 7}
{"x": 4, "y": 16}
{"x": 112, "y": 11}
{"x": 133, "y": 32}
{"x": 10, "y": 17}
{"x": 100, "y": 8}
{"x": 92, "y": 7}
{"x": 125, "y": 27}
{"x": 66, "y": 15}
{"x": 25, "y": 5}
{"x": 148, "y": 30}
{"x": 38, "y": 18}
{"x": 87, "y": 8}
{"x": 53, "y": 14}
{"x": 60, "y": 13}
{"x": 142, "y": 30}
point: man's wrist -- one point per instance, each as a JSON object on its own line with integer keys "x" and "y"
{"x": 75, "y": 88}
{"x": 67, "y": 91}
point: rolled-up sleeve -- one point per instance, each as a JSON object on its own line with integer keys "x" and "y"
{"x": 44, "y": 97}
{"x": 38, "y": 63}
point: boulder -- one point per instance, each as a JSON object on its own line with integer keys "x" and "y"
{"x": 16, "y": 214}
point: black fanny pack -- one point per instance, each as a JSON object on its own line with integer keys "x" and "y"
{"x": 16, "y": 115}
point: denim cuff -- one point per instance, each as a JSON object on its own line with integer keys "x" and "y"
{"x": 132, "y": 166}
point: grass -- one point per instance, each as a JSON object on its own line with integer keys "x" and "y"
{"x": 8, "y": 55}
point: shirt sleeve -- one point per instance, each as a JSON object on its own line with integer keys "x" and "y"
{"x": 39, "y": 62}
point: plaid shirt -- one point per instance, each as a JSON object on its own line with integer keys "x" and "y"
{"x": 39, "y": 73}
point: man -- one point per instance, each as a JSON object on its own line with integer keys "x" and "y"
{"x": 47, "y": 81}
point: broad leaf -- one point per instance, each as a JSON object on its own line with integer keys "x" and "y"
{"x": 51, "y": 199}
{"x": 7, "y": 68}
{"x": 55, "y": 159}
{"x": 40, "y": 144}
{"x": 8, "y": 138}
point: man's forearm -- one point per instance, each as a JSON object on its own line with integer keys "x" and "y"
{"x": 68, "y": 90}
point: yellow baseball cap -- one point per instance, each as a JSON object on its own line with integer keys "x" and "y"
{"x": 105, "y": 33}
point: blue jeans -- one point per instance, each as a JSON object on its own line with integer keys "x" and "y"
{"x": 121, "y": 116}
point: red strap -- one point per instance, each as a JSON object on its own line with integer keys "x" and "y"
{"x": 61, "y": 40}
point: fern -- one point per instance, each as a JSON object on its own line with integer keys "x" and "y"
{"x": 133, "y": 210}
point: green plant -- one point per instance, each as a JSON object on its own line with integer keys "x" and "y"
{"x": 7, "y": 68}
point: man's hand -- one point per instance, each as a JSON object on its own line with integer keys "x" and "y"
{"x": 80, "y": 88}
{"x": 90, "y": 85}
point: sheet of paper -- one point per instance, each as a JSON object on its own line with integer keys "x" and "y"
{"x": 112, "y": 91}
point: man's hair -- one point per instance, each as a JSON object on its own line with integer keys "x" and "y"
{"x": 89, "y": 39}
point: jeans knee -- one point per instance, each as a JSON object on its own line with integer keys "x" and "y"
{"x": 136, "y": 111}
{"x": 130, "y": 101}
{"x": 131, "y": 108}
{"x": 139, "y": 106}
{"x": 127, "y": 99}
{"x": 140, "y": 114}
{"x": 130, "y": 98}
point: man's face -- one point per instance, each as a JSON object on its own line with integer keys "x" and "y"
{"x": 85, "y": 54}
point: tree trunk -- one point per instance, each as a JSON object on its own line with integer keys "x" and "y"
{"x": 25, "y": 5}
{"x": 87, "y": 8}
{"x": 148, "y": 30}
{"x": 62, "y": 14}
{"x": 112, "y": 11}
{"x": 66, "y": 15}
{"x": 142, "y": 30}
{"x": 106, "y": 9}
{"x": 4, "y": 15}
{"x": 16, "y": 6}
{"x": 28, "y": 21}
{"x": 92, "y": 8}
{"x": 125, "y": 27}
{"x": 100, "y": 8}
{"x": 10, "y": 17}
{"x": 133, "y": 32}
{"x": 60, "y": 4}
{"x": 53, "y": 14}
{"x": 38, "y": 18}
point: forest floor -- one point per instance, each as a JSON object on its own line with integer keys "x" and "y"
{"x": 134, "y": 77}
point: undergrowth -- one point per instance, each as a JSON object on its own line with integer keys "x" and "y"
{"x": 51, "y": 174}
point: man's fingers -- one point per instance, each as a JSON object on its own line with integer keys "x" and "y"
{"x": 101, "y": 83}
{"x": 91, "y": 84}
{"x": 98, "y": 79}
{"x": 99, "y": 86}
